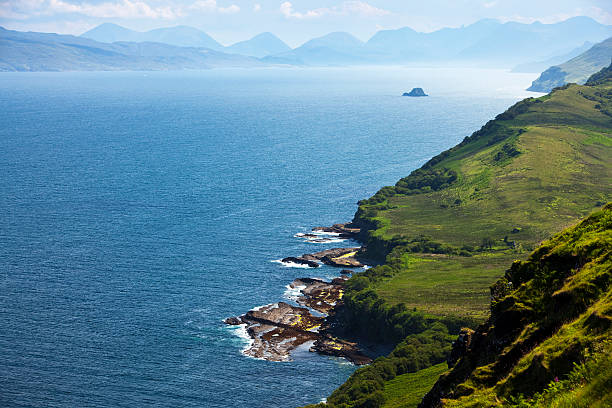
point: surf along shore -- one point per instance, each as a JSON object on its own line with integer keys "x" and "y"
{"x": 279, "y": 328}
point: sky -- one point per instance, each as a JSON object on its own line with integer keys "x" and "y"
{"x": 294, "y": 21}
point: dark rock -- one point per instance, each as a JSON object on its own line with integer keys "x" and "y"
{"x": 342, "y": 262}
{"x": 343, "y": 230}
{"x": 415, "y": 92}
{"x": 332, "y": 346}
{"x": 233, "y": 321}
{"x": 317, "y": 294}
{"x": 279, "y": 328}
{"x": 460, "y": 346}
{"x": 301, "y": 261}
{"x": 340, "y": 280}
{"x": 331, "y": 253}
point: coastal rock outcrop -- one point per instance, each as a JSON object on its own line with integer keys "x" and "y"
{"x": 317, "y": 294}
{"x": 300, "y": 261}
{"x": 347, "y": 230}
{"x": 333, "y": 346}
{"x": 335, "y": 233}
{"x": 338, "y": 257}
{"x": 415, "y": 92}
{"x": 279, "y": 328}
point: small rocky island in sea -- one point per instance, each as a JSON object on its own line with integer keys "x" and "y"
{"x": 279, "y": 328}
{"x": 415, "y": 92}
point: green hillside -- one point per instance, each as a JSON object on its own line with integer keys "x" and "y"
{"x": 576, "y": 70}
{"x": 548, "y": 341}
{"x": 452, "y": 228}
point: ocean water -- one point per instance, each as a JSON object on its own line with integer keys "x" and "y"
{"x": 138, "y": 210}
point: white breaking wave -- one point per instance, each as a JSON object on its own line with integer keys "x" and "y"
{"x": 241, "y": 332}
{"x": 270, "y": 305}
{"x": 333, "y": 234}
{"x": 291, "y": 264}
{"x": 293, "y": 293}
{"x": 317, "y": 237}
{"x": 326, "y": 241}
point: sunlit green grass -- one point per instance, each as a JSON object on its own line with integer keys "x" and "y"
{"x": 447, "y": 285}
{"x": 563, "y": 173}
{"x": 407, "y": 390}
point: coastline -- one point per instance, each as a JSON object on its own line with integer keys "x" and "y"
{"x": 277, "y": 329}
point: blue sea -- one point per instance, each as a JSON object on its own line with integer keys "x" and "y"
{"x": 140, "y": 209}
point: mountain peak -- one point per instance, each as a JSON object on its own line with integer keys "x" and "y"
{"x": 181, "y": 35}
{"x": 335, "y": 39}
{"x": 259, "y": 46}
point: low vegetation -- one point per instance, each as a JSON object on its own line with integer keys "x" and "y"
{"x": 549, "y": 334}
{"x": 449, "y": 231}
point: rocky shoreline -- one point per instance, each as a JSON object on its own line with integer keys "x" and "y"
{"x": 279, "y": 328}
{"x": 339, "y": 257}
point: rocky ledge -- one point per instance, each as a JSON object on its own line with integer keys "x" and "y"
{"x": 342, "y": 230}
{"x": 339, "y": 257}
{"x": 335, "y": 233}
{"x": 300, "y": 261}
{"x": 318, "y": 294}
{"x": 279, "y": 328}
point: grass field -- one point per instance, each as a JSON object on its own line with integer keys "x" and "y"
{"x": 406, "y": 390}
{"x": 563, "y": 172}
{"x": 452, "y": 285}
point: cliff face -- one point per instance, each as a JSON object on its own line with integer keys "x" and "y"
{"x": 552, "y": 78}
{"x": 548, "y": 313}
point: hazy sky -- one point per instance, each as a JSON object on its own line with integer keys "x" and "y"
{"x": 294, "y": 21}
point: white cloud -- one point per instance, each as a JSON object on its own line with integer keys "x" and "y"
{"x": 490, "y": 4}
{"x": 257, "y": 7}
{"x": 363, "y": 9}
{"x": 347, "y": 8}
{"x": 211, "y": 6}
{"x": 601, "y": 15}
{"x": 125, "y": 9}
{"x": 287, "y": 10}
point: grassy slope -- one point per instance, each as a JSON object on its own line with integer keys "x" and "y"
{"x": 456, "y": 285}
{"x": 580, "y": 68}
{"x": 407, "y": 390}
{"x": 552, "y": 321}
{"x": 562, "y": 174}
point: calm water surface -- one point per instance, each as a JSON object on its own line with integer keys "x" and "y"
{"x": 138, "y": 210}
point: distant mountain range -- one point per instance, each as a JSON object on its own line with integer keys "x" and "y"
{"x": 259, "y": 46}
{"x": 485, "y": 43}
{"x": 337, "y": 48}
{"x": 183, "y": 36}
{"x": 52, "y": 52}
{"x": 576, "y": 70}
{"x": 539, "y": 66}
